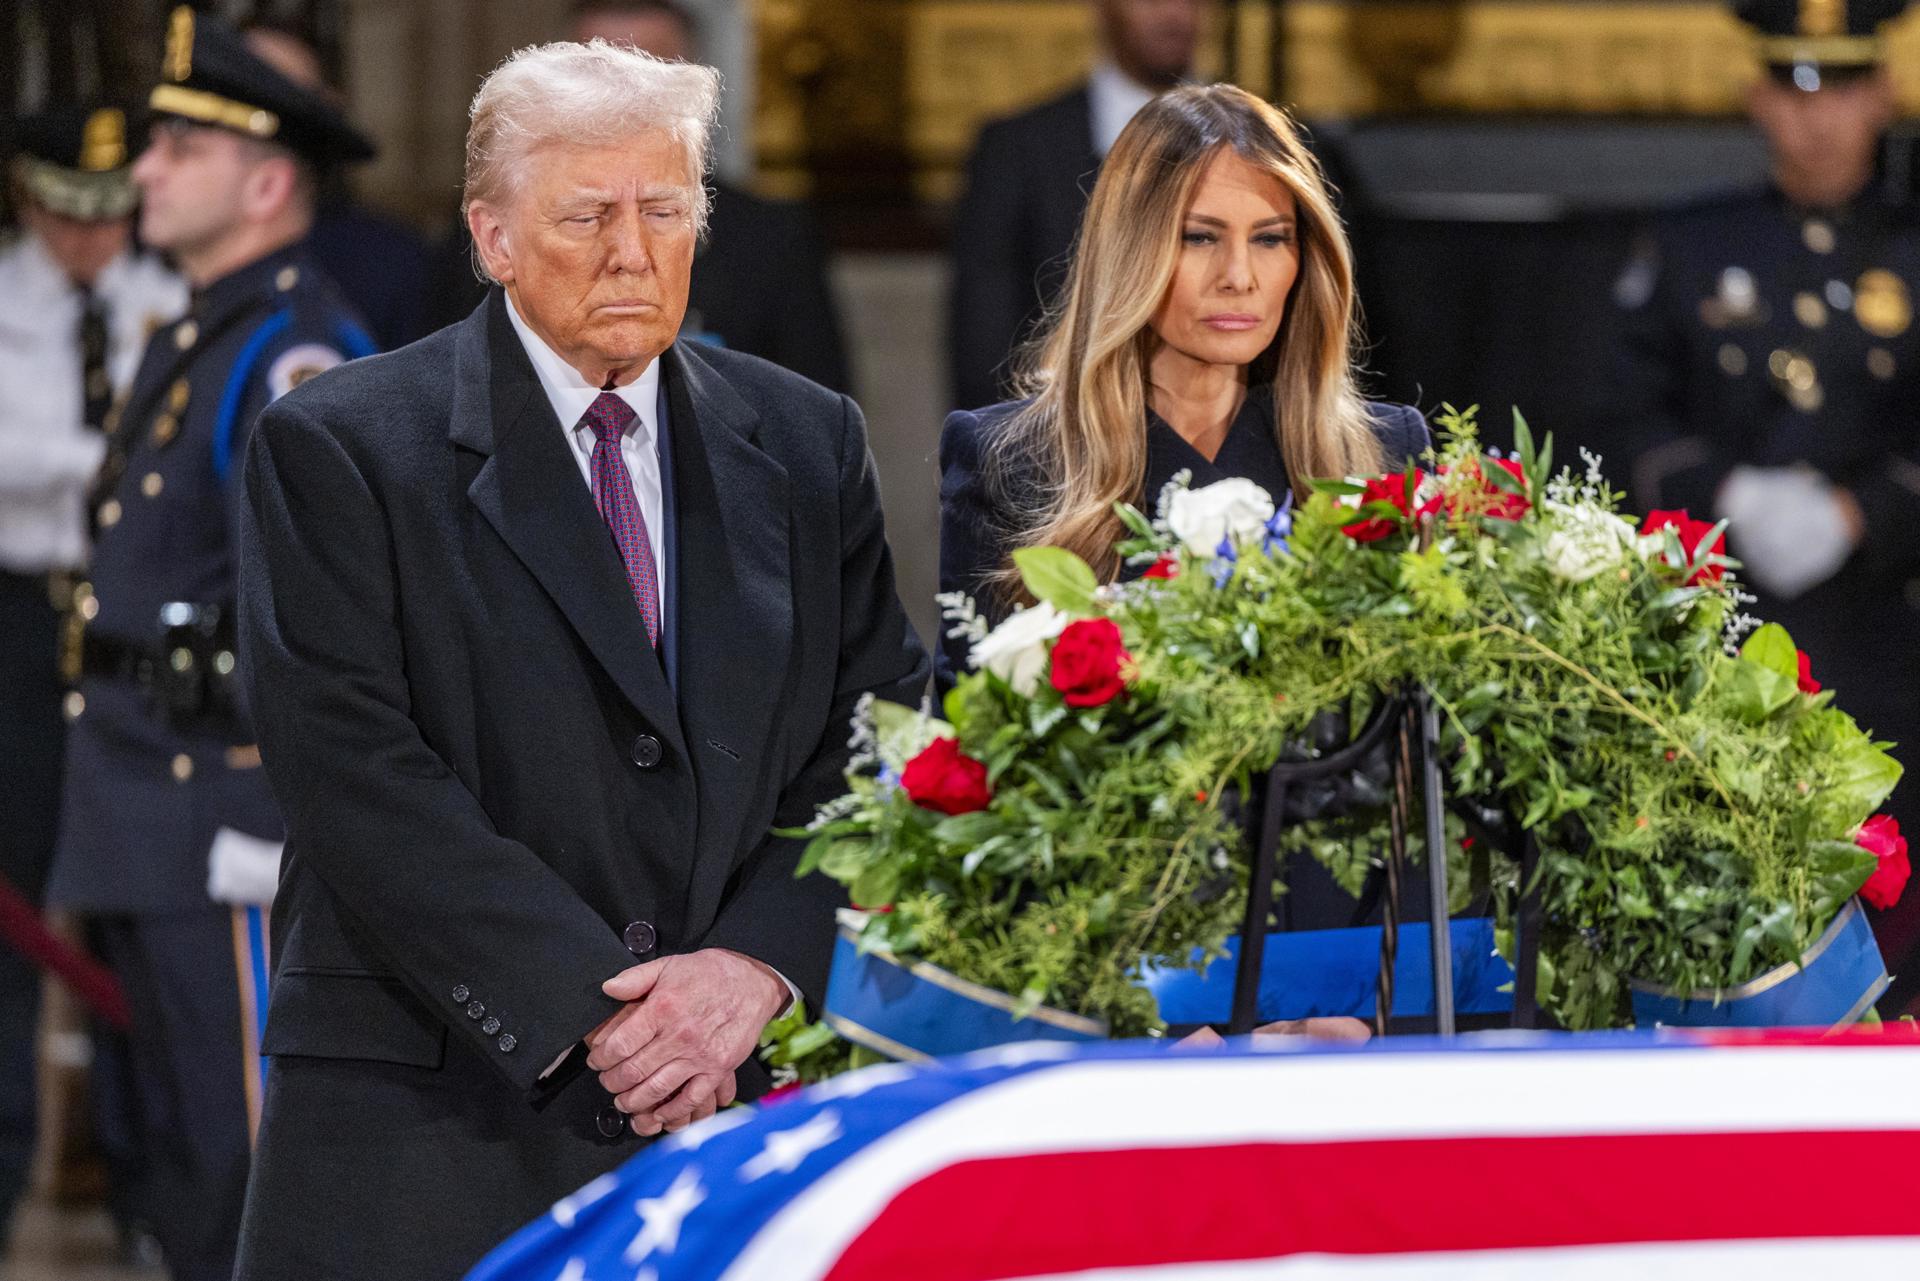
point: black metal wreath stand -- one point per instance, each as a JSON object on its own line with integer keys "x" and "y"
{"x": 1413, "y": 723}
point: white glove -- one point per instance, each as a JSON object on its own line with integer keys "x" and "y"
{"x": 1787, "y": 528}
{"x": 242, "y": 870}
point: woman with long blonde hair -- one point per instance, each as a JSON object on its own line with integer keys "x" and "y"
{"x": 1207, "y": 325}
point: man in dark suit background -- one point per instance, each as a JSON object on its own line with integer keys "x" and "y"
{"x": 762, "y": 284}
{"x": 1027, "y": 185}
{"x": 551, "y": 618}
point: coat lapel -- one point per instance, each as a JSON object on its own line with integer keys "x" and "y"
{"x": 530, "y": 491}
{"x": 733, "y": 602}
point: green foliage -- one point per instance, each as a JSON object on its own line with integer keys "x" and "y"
{"x": 1694, "y": 810}
{"x": 1057, "y": 577}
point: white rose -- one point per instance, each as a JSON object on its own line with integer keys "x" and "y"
{"x": 1235, "y": 508}
{"x": 1583, "y": 541}
{"x": 1016, "y": 651}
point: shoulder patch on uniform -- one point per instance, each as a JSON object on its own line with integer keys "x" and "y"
{"x": 297, "y": 364}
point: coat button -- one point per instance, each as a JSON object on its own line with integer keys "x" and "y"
{"x": 646, "y": 751}
{"x": 460, "y": 992}
{"x": 475, "y": 1010}
{"x": 490, "y": 1025}
{"x": 506, "y": 1043}
{"x": 611, "y": 1122}
{"x": 639, "y": 938}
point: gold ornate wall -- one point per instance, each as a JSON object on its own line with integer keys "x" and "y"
{"x": 848, "y": 87}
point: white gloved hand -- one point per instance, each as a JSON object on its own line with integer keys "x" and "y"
{"x": 242, "y": 870}
{"x": 1787, "y": 527}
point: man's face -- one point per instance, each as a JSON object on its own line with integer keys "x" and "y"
{"x": 660, "y": 34}
{"x": 192, "y": 185}
{"x": 1153, "y": 40}
{"x": 1823, "y": 143}
{"x": 596, "y": 249}
{"x": 82, "y": 247}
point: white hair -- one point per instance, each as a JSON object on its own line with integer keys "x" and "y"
{"x": 593, "y": 94}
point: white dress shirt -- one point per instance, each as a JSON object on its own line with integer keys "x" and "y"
{"x": 571, "y": 395}
{"x": 1113, "y": 98}
{"x": 47, "y": 453}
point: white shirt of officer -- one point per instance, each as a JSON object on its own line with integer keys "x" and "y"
{"x": 48, "y": 455}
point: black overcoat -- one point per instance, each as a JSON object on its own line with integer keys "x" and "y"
{"x": 489, "y": 782}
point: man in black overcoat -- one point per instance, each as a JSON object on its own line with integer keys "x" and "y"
{"x": 551, "y": 618}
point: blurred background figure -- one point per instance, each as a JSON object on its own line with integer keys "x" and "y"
{"x": 79, "y": 302}
{"x": 169, "y": 836}
{"x": 760, "y": 281}
{"x": 1028, "y": 180}
{"x": 378, "y": 262}
{"x": 1771, "y": 372}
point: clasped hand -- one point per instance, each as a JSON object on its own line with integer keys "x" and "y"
{"x": 668, "y": 1055}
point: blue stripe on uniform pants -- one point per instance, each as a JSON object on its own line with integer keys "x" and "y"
{"x": 251, "y": 956}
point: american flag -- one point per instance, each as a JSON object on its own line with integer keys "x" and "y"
{"x": 1500, "y": 1156}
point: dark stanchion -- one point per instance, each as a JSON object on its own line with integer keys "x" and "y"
{"x": 1265, "y": 859}
{"x": 1528, "y": 919}
{"x": 1439, "y": 930}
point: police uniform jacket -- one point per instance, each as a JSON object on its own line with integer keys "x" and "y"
{"x": 1760, "y": 334}
{"x": 498, "y": 795}
{"x": 48, "y": 450}
{"x": 146, "y": 791}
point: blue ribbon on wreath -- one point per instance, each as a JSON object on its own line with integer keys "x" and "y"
{"x": 1835, "y": 983}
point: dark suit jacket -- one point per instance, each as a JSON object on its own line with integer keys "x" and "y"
{"x": 760, "y": 285}
{"x": 486, "y": 776}
{"x": 974, "y": 499}
{"x": 1013, "y": 233}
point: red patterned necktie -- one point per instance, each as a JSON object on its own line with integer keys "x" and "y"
{"x": 609, "y": 416}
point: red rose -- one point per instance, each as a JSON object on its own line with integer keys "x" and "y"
{"x": 1881, "y": 834}
{"x": 1500, "y": 503}
{"x": 1165, "y": 567}
{"x": 1397, "y": 489}
{"x": 1089, "y": 663}
{"x": 1692, "y": 532}
{"x": 945, "y": 778}
{"x": 1808, "y": 685}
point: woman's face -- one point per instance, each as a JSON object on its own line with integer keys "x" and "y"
{"x": 1239, "y": 257}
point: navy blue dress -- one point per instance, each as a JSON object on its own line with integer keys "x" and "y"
{"x": 975, "y": 539}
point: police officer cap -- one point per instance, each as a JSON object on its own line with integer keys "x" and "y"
{"x": 1813, "y": 43}
{"x": 73, "y": 160}
{"x": 210, "y": 77}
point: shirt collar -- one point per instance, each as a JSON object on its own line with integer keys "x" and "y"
{"x": 1113, "y": 98}
{"x": 571, "y": 395}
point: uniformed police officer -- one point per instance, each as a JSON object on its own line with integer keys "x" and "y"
{"x": 167, "y": 816}
{"x": 79, "y": 304}
{"x": 1771, "y": 373}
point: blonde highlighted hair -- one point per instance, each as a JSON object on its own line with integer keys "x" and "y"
{"x": 1083, "y": 434}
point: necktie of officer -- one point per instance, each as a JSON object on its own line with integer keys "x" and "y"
{"x": 609, "y": 417}
{"x": 95, "y": 386}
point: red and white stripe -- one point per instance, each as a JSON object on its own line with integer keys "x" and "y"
{"x": 1759, "y": 1162}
